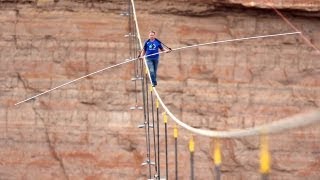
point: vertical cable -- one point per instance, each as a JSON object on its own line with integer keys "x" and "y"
{"x": 175, "y": 135}
{"x": 191, "y": 149}
{"x": 148, "y": 127}
{"x": 165, "y": 120}
{"x": 154, "y": 133}
{"x": 143, "y": 83}
{"x": 136, "y": 49}
{"x": 158, "y": 138}
{"x": 144, "y": 110}
{"x": 133, "y": 49}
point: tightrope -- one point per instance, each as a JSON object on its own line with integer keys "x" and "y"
{"x": 274, "y": 127}
{"x": 130, "y": 60}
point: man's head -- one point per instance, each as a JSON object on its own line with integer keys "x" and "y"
{"x": 152, "y": 35}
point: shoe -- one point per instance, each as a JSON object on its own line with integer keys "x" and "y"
{"x": 154, "y": 84}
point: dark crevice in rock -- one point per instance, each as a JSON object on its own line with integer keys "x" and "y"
{"x": 26, "y": 83}
{"x": 88, "y": 103}
{"x": 18, "y": 1}
{"x": 51, "y": 144}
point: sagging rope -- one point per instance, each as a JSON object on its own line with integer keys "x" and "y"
{"x": 265, "y": 163}
{"x": 274, "y": 127}
{"x": 270, "y": 128}
{"x": 285, "y": 124}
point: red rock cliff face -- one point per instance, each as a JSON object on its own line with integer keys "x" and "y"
{"x": 86, "y": 131}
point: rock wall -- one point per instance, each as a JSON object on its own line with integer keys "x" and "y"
{"x": 86, "y": 131}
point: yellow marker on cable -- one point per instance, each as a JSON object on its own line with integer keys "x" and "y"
{"x": 150, "y": 88}
{"x": 191, "y": 144}
{"x": 265, "y": 159}
{"x": 157, "y": 103}
{"x": 175, "y": 132}
{"x": 165, "y": 118}
{"x": 217, "y": 152}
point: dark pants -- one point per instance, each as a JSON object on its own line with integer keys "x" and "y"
{"x": 153, "y": 67}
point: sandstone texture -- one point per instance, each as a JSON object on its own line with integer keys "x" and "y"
{"x": 86, "y": 130}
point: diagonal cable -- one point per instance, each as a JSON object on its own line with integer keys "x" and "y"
{"x": 296, "y": 29}
{"x": 176, "y": 49}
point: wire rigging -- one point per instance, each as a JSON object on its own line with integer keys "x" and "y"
{"x": 134, "y": 59}
{"x": 274, "y": 127}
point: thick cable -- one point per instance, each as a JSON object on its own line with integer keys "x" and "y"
{"x": 274, "y": 127}
{"x": 271, "y": 128}
{"x": 285, "y": 124}
{"x": 136, "y": 23}
{"x": 146, "y": 125}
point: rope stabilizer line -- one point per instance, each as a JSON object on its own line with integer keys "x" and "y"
{"x": 130, "y": 60}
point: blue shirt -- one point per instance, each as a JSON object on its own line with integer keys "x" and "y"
{"x": 152, "y": 47}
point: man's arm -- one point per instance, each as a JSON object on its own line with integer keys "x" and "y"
{"x": 143, "y": 52}
{"x": 167, "y": 51}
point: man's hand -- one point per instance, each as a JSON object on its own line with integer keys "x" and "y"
{"x": 139, "y": 56}
{"x": 169, "y": 50}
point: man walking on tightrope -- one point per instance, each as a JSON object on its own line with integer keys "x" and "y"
{"x": 151, "y": 49}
